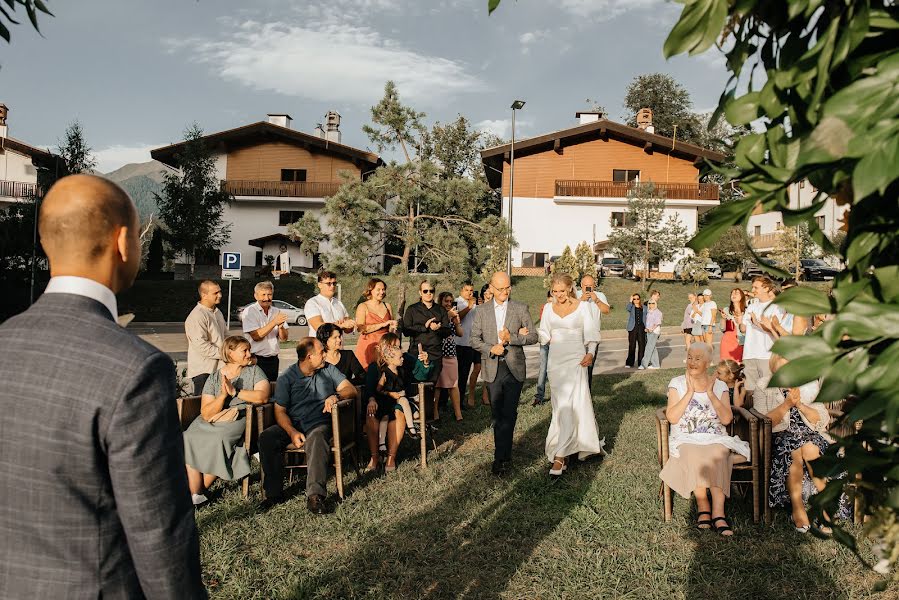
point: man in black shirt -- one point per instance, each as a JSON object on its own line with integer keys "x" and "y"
{"x": 426, "y": 323}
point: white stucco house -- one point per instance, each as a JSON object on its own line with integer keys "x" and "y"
{"x": 19, "y": 165}
{"x": 765, "y": 227}
{"x": 572, "y": 185}
{"x": 276, "y": 175}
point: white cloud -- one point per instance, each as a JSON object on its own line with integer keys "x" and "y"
{"x": 531, "y": 37}
{"x": 503, "y": 127}
{"x": 604, "y": 10}
{"x": 328, "y": 61}
{"x": 111, "y": 158}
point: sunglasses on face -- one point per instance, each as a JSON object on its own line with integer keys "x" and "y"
{"x": 329, "y": 283}
{"x": 427, "y": 291}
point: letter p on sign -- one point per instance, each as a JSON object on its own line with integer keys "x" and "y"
{"x": 230, "y": 265}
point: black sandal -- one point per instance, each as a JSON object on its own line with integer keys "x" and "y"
{"x": 724, "y": 528}
{"x": 701, "y": 522}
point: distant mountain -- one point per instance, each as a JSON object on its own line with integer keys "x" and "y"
{"x": 141, "y": 181}
{"x": 152, "y": 169}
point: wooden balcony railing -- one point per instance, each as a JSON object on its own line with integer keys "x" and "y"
{"x": 280, "y": 189}
{"x": 18, "y": 189}
{"x": 616, "y": 189}
{"x": 765, "y": 240}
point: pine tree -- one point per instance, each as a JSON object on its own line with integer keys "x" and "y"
{"x": 192, "y": 202}
{"x": 75, "y": 151}
{"x": 154, "y": 254}
{"x": 564, "y": 265}
{"x": 586, "y": 261}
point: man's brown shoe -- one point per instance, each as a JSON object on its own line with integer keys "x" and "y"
{"x": 316, "y": 504}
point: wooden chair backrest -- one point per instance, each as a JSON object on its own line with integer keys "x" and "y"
{"x": 188, "y": 410}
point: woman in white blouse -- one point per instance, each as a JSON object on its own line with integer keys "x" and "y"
{"x": 701, "y": 454}
{"x": 569, "y": 327}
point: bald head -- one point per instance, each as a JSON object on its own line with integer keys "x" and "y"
{"x": 89, "y": 226}
{"x": 501, "y": 286}
{"x": 81, "y": 215}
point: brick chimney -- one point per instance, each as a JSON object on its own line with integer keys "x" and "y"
{"x": 4, "y": 111}
{"x": 644, "y": 120}
{"x": 280, "y": 119}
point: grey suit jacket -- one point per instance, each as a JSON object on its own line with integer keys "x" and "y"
{"x": 484, "y": 336}
{"x": 93, "y": 493}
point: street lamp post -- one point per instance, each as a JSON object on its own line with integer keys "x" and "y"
{"x": 516, "y": 105}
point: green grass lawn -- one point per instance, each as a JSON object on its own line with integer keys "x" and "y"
{"x": 173, "y": 300}
{"x": 455, "y": 531}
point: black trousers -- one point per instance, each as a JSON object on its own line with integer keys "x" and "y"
{"x": 272, "y": 443}
{"x": 199, "y": 383}
{"x": 466, "y": 358}
{"x": 505, "y": 392}
{"x": 269, "y": 366}
{"x": 635, "y": 338}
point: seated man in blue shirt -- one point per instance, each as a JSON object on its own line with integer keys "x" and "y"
{"x": 304, "y": 397}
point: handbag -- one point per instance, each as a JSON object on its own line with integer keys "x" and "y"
{"x": 227, "y": 415}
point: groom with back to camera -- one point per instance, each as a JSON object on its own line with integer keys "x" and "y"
{"x": 500, "y": 328}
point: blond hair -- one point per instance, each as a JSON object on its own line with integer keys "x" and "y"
{"x": 564, "y": 279}
{"x": 230, "y": 344}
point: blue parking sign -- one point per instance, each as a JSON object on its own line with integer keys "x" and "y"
{"x": 230, "y": 265}
{"x": 231, "y": 260}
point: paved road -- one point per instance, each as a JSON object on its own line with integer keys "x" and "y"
{"x": 169, "y": 337}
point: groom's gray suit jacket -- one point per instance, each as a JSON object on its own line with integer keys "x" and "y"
{"x": 94, "y": 500}
{"x": 484, "y": 336}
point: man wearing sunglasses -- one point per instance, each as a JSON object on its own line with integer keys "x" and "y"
{"x": 326, "y": 308}
{"x": 427, "y": 323}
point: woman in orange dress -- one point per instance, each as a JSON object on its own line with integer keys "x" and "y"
{"x": 374, "y": 318}
{"x": 734, "y": 330}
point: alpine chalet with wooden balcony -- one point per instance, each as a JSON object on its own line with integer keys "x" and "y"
{"x": 275, "y": 176}
{"x": 572, "y": 185}
{"x": 19, "y": 166}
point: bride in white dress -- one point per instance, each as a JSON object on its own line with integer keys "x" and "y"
{"x": 571, "y": 328}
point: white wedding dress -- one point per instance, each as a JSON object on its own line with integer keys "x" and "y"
{"x": 573, "y": 427}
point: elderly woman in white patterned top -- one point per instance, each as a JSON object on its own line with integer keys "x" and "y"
{"x": 702, "y": 455}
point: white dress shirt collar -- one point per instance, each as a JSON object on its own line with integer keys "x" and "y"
{"x": 499, "y": 310}
{"x": 82, "y": 286}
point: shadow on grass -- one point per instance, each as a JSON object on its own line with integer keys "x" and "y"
{"x": 482, "y": 530}
{"x": 757, "y": 562}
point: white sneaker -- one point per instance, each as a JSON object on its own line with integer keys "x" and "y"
{"x": 628, "y": 366}
{"x": 199, "y": 499}
{"x": 640, "y": 368}
{"x": 651, "y": 367}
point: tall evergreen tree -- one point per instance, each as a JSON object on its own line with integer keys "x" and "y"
{"x": 670, "y": 103}
{"x": 192, "y": 201}
{"x": 75, "y": 151}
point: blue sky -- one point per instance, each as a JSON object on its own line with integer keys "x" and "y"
{"x": 135, "y": 73}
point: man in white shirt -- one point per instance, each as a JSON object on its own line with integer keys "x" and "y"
{"x": 326, "y": 308}
{"x": 266, "y": 326}
{"x": 708, "y": 318}
{"x": 467, "y": 357}
{"x": 206, "y": 330}
{"x": 758, "y": 342}
{"x": 600, "y": 304}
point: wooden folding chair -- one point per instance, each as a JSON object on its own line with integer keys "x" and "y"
{"x": 746, "y": 424}
{"x": 345, "y": 428}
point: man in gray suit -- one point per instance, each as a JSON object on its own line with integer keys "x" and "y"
{"x": 500, "y": 328}
{"x": 93, "y": 489}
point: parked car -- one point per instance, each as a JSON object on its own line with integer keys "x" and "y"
{"x": 751, "y": 269}
{"x": 714, "y": 270}
{"x": 815, "y": 269}
{"x": 295, "y": 316}
{"x": 612, "y": 266}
